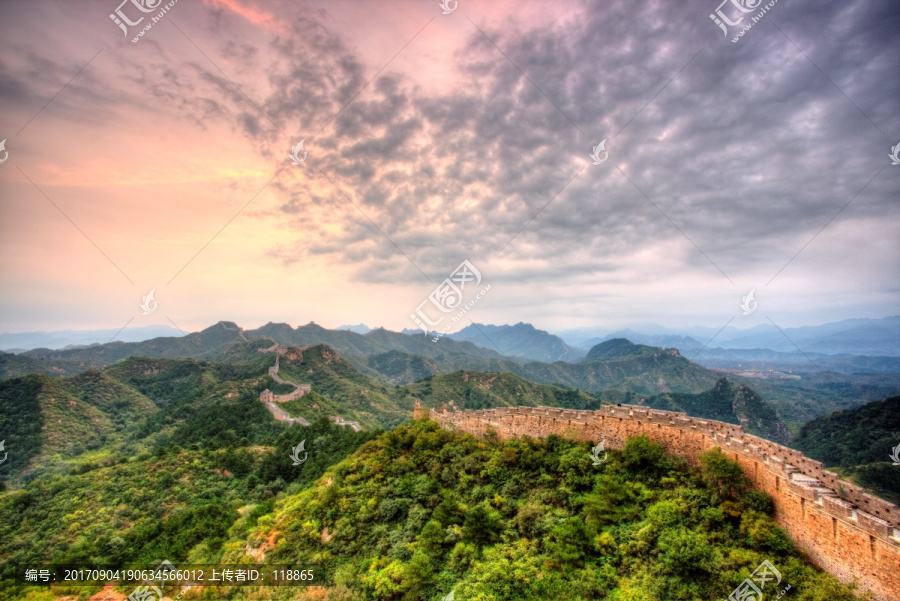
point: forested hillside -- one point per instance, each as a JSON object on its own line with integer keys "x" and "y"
{"x": 858, "y": 443}
{"x": 420, "y": 512}
{"x": 174, "y": 502}
{"x": 416, "y": 513}
{"x": 142, "y": 402}
{"x": 727, "y": 403}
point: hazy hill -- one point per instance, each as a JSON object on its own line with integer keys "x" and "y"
{"x": 372, "y": 343}
{"x": 359, "y": 328}
{"x": 870, "y": 337}
{"x": 879, "y": 337}
{"x": 397, "y": 359}
{"x": 684, "y": 344}
{"x": 806, "y": 363}
{"x": 186, "y": 400}
{"x": 63, "y": 338}
{"x": 13, "y": 366}
{"x": 207, "y": 344}
{"x": 521, "y": 341}
{"x": 647, "y": 371}
{"x": 215, "y": 343}
{"x": 621, "y": 364}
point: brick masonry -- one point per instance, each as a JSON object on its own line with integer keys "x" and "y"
{"x": 843, "y": 530}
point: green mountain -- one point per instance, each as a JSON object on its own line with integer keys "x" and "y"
{"x": 866, "y": 434}
{"x": 226, "y": 341}
{"x": 623, "y": 365}
{"x": 14, "y": 366}
{"x": 858, "y": 443}
{"x": 372, "y": 403}
{"x": 480, "y": 390}
{"x": 611, "y": 370}
{"x": 140, "y": 402}
{"x": 521, "y": 341}
{"x": 44, "y": 419}
{"x": 176, "y": 503}
{"x": 413, "y": 513}
{"x": 401, "y": 368}
{"x": 727, "y": 403}
{"x": 375, "y": 342}
{"x": 143, "y": 402}
{"x": 819, "y": 394}
{"x": 646, "y": 371}
{"x": 616, "y": 348}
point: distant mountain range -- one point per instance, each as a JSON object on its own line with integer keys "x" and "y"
{"x": 850, "y": 346}
{"x": 874, "y": 337}
{"x": 685, "y": 344}
{"x": 359, "y": 328}
{"x": 612, "y": 369}
{"x": 521, "y": 341}
{"x": 187, "y": 400}
{"x": 23, "y": 341}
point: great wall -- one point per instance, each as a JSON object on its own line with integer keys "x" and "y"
{"x": 842, "y": 529}
{"x": 269, "y": 398}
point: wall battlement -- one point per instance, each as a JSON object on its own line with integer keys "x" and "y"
{"x": 843, "y": 529}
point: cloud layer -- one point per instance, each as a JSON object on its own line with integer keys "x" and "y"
{"x": 436, "y": 138}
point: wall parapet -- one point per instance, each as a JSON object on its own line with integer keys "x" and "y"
{"x": 814, "y": 490}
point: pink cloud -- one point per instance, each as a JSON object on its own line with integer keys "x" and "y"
{"x": 254, "y": 14}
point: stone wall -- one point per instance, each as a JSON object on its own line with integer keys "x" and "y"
{"x": 298, "y": 392}
{"x": 843, "y": 530}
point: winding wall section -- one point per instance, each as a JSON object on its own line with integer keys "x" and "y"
{"x": 844, "y": 530}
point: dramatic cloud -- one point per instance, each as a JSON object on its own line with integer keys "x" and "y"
{"x": 435, "y": 138}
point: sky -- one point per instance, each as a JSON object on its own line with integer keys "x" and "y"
{"x": 724, "y": 165}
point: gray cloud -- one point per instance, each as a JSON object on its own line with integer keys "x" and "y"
{"x": 749, "y": 148}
